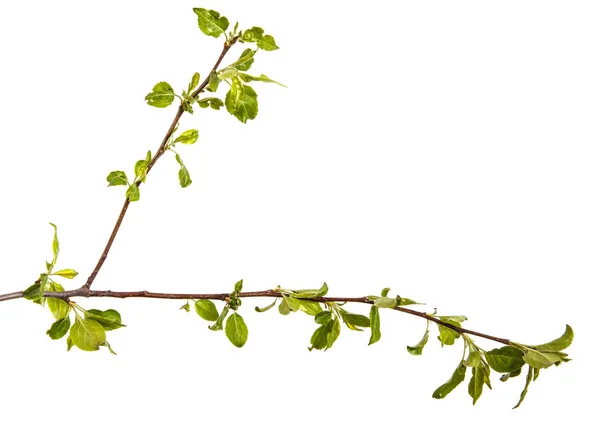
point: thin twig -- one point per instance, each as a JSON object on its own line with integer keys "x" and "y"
{"x": 161, "y": 150}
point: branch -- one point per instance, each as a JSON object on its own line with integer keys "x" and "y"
{"x": 83, "y": 292}
{"x": 157, "y": 155}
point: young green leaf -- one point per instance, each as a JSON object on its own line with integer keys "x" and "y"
{"x": 266, "y": 308}
{"x": 528, "y": 380}
{"x": 188, "y": 137}
{"x": 59, "y": 328}
{"x": 109, "y": 348}
{"x": 256, "y": 34}
{"x": 207, "y": 310}
{"x": 310, "y": 308}
{"x": 474, "y": 359}
{"x": 87, "y": 334}
{"x": 241, "y": 101}
{"x": 213, "y": 82}
{"x": 404, "y": 301}
{"x": 284, "y": 308}
{"x": 214, "y": 103}
{"x": 323, "y": 290}
{"x": 236, "y": 330}
{"x": 385, "y": 292}
{"x": 559, "y": 344}
{"x": 354, "y": 321}
{"x": 447, "y": 336}
{"x": 58, "y": 307}
{"x": 319, "y": 338}
{"x": 133, "y": 192}
{"x": 262, "y": 78}
{"x": 117, "y": 178}
{"x": 218, "y": 325}
{"x": 110, "y": 319}
{"x": 184, "y": 176}
{"x": 141, "y": 167}
{"x": 55, "y": 245}
{"x": 162, "y": 95}
{"x": 194, "y": 82}
{"x": 334, "y": 333}
{"x": 34, "y": 292}
{"x": 211, "y": 22}
{"x": 375, "y": 324}
{"x": 506, "y": 359}
{"x": 323, "y": 317}
{"x": 541, "y": 360}
{"x": 186, "y": 306}
{"x": 507, "y": 376}
{"x": 245, "y": 61}
{"x": 385, "y": 302}
{"x": 457, "y": 377}
{"x": 453, "y": 319}
{"x": 476, "y": 383}
{"x": 418, "y": 348}
{"x": 66, "y": 273}
{"x": 237, "y": 288}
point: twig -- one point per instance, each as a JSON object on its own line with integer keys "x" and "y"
{"x": 157, "y": 155}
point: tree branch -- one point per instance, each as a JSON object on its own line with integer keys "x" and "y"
{"x": 82, "y": 292}
{"x": 157, "y": 155}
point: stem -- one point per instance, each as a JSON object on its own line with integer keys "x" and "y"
{"x": 157, "y": 155}
{"x": 81, "y": 292}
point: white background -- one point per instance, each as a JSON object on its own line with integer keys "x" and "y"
{"x": 447, "y": 150}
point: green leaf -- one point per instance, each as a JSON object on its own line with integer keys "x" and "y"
{"x": 58, "y": 307}
{"x": 507, "y": 376}
{"x": 241, "y": 101}
{"x": 55, "y": 245}
{"x": 214, "y": 103}
{"x": 256, "y": 34}
{"x": 236, "y": 330}
{"x": 453, "y": 319}
{"x": 474, "y": 359}
{"x": 237, "y": 288}
{"x": 354, "y": 321}
{"x": 185, "y": 307}
{"x": 59, "y": 328}
{"x": 188, "y": 137}
{"x": 213, "y": 82}
{"x": 141, "y": 167}
{"x": 184, "y": 176}
{"x": 418, "y": 348}
{"x": 323, "y": 290}
{"x": 284, "y": 308}
{"x": 162, "y": 95}
{"x": 69, "y": 343}
{"x": 292, "y": 303}
{"x": 262, "y": 78}
{"x": 87, "y": 334}
{"x": 334, "y": 333}
{"x": 319, "y": 338}
{"x": 447, "y": 336}
{"x": 541, "y": 360}
{"x": 457, "y": 377}
{"x": 476, "y": 383}
{"x": 110, "y": 319}
{"x": 385, "y": 302}
{"x": 133, "y": 192}
{"x": 375, "y": 324}
{"x": 117, "y": 178}
{"x": 506, "y": 359}
{"x": 66, "y": 273}
{"x": 34, "y": 292}
{"x": 385, "y": 292}
{"x": 559, "y": 344}
{"x": 404, "y": 301}
{"x": 218, "y": 325}
{"x": 266, "y": 308}
{"x": 207, "y": 310}
{"x": 310, "y": 308}
{"x": 323, "y": 317}
{"x": 527, "y": 382}
{"x": 194, "y": 82}
{"x": 245, "y": 61}
{"x": 211, "y": 22}
{"x": 267, "y": 43}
